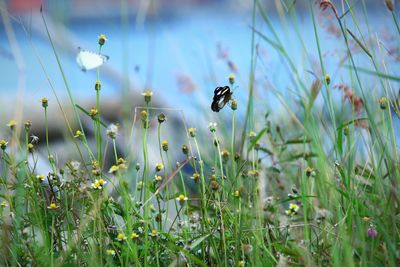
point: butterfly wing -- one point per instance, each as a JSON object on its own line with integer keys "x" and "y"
{"x": 221, "y": 97}
{"x": 88, "y": 60}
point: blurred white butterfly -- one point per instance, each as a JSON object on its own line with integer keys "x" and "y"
{"x": 88, "y": 60}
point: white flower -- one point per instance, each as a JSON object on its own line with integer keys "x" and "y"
{"x": 75, "y": 165}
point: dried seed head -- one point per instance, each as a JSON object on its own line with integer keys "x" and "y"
{"x": 390, "y": 5}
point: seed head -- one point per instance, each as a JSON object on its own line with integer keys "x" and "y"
{"x": 93, "y": 112}
{"x": 234, "y": 104}
{"x": 214, "y": 185}
{"x": 390, "y": 5}
{"x": 28, "y": 125}
{"x": 327, "y": 79}
{"x": 78, "y": 134}
{"x": 231, "y": 78}
{"x": 147, "y": 95}
{"x": 212, "y": 126}
{"x": 97, "y": 85}
{"x": 196, "y": 177}
{"x": 159, "y": 167}
{"x": 12, "y": 124}
{"x": 383, "y": 102}
{"x": 31, "y": 148}
{"x": 192, "y": 132}
{"x": 112, "y": 130}
{"x": 225, "y": 155}
{"x": 3, "y": 144}
{"x": 185, "y": 149}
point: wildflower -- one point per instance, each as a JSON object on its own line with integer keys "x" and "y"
{"x": 3, "y": 204}
{"x": 390, "y": 5}
{"x": 12, "y": 124}
{"x": 34, "y": 139}
{"x": 122, "y": 163}
{"x": 98, "y": 184}
{"x": 213, "y": 177}
{"x": 75, "y": 165}
{"x": 164, "y": 145}
{"x": 78, "y": 134}
{"x": 241, "y": 263}
{"x": 140, "y": 185}
{"x": 214, "y": 185}
{"x": 161, "y": 118}
{"x": 154, "y": 233}
{"x": 147, "y": 95}
{"x": 30, "y": 148}
{"x": 93, "y": 112}
{"x": 102, "y": 39}
{"x": 196, "y": 177}
{"x": 293, "y": 209}
{"x": 185, "y": 149}
{"x": 110, "y": 252}
{"x": 231, "y": 78}
{"x": 97, "y": 85}
{"x": 252, "y": 134}
{"x": 192, "y": 132}
{"x": 121, "y": 237}
{"x": 383, "y": 102}
{"x": 234, "y": 104}
{"x": 327, "y": 79}
{"x": 158, "y": 178}
{"x": 114, "y": 169}
{"x": 3, "y": 144}
{"x": 212, "y": 126}
{"x": 28, "y": 125}
{"x": 159, "y": 167}
{"x": 112, "y": 130}
{"x": 181, "y": 198}
{"x": 40, "y": 177}
{"x": 52, "y": 206}
{"x": 225, "y": 155}
{"x": 372, "y": 232}
{"x": 236, "y": 193}
{"x": 134, "y": 236}
{"x": 310, "y": 171}
{"x": 145, "y": 119}
{"x": 45, "y": 102}
{"x": 237, "y": 156}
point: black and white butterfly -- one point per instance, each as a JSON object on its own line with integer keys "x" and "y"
{"x": 222, "y": 95}
{"x": 88, "y": 60}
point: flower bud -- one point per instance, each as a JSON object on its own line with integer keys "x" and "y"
{"x": 45, "y": 102}
{"x": 185, "y": 149}
{"x": 102, "y": 39}
{"x": 97, "y": 86}
{"x": 161, "y": 117}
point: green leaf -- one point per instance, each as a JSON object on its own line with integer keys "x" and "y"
{"x": 359, "y": 43}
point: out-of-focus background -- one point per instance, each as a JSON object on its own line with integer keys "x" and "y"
{"x": 180, "y": 49}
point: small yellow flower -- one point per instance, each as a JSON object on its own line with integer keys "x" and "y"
{"x": 30, "y": 147}
{"x": 52, "y": 206}
{"x": 196, "y": 177}
{"x": 121, "y": 237}
{"x": 252, "y": 134}
{"x": 236, "y": 193}
{"x": 3, "y": 204}
{"x": 113, "y": 169}
{"x": 225, "y": 155}
{"x": 164, "y": 145}
{"x": 192, "y": 132}
{"x": 93, "y": 112}
{"x": 147, "y": 95}
{"x": 182, "y": 198}
{"x": 241, "y": 263}
{"x": 154, "y": 233}
{"x": 3, "y": 144}
{"x": 110, "y": 252}
{"x": 134, "y": 236}
{"x": 231, "y": 78}
{"x": 40, "y": 177}
{"x": 102, "y": 39}
{"x": 310, "y": 171}
{"x": 45, "y": 102}
{"x": 158, "y": 178}
{"x": 12, "y": 124}
{"x": 78, "y": 134}
{"x": 293, "y": 209}
{"x": 98, "y": 184}
{"x": 159, "y": 167}
{"x": 327, "y": 79}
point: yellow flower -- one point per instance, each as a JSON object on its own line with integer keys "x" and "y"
{"x": 121, "y": 237}
{"x": 164, "y": 145}
{"x": 293, "y": 209}
{"x": 40, "y": 177}
{"x": 252, "y": 134}
{"x": 327, "y": 79}
{"x": 158, "y": 178}
{"x": 154, "y": 233}
{"x": 78, "y": 134}
{"x": 3, "y": 144}
{"x": 182, "y": 198}
{"x": 52, "y": 206}
{"x": 12, "y": 124}
{"x": 102, "y": 39}
{"x": 110, "y": 252}
{"x": 159, "y": 167}
{"x": 196, "y": 177}
{"x": 192, "y": 132}
{"x": 3, "y": 204}
{"x": 241, "y": 263}
{"x": 147, "y": 95}
{"x": 134, "y": 236}
{"x": 98, "y": 184}
{"x": 236, "y": 193}
{"x": 113, "y": 169}
{"x": 231, "y": 78}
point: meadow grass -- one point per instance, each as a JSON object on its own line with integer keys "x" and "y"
{"x": 317, "y": 186}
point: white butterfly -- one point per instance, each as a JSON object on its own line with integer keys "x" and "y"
{"x": 88, "y": 60}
